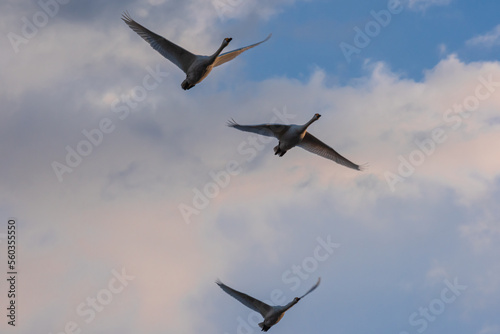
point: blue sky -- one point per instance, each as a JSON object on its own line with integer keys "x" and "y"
{"x": 410, "y": 44}
{"x": 157, "y": 198}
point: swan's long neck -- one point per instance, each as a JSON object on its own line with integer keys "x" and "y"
{"x": 217, "y": 53}
{"x": 305, "y": 126}
{"x": 289, "y": 305}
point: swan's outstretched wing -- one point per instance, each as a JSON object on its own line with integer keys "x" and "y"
{"x": 312, "y": 289}
{"x": 269, "y": 130}
{"x": 177, "y": 55}
{"x": 316, "y": 146}
{"x": 225, "y": 57}
{"x": 246, "y": 300}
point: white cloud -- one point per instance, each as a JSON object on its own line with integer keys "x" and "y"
{"x": 119, "y": 208}
{"x": 422, "y": 5}
{"x": 436, "y": 274}
{"x": 489, "y": 39}
{"x": 490, "y": 329}
{"x": 483, "y": 232}
{"x": 442, "y": 49}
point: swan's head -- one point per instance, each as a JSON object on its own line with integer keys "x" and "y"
{"x": 317, "y": 116}
{"x": 227, "y": 40}
{"x": 296, "y": 299}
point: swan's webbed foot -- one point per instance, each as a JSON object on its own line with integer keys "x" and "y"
{"x": 186, "y": 85}
{"x": 263, "y": 327}
{"x": 277, "y": 149}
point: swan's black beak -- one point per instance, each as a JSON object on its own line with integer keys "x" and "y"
{"x": 318, "y": 115}
{"x": 229, "y": 39}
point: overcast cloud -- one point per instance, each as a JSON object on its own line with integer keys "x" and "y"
{"x": 130, "y": 235}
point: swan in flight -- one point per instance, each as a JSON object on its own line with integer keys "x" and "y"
{"x": 296, "y": 135}
{"x": 196, "y": 67}
{"x": 272, "y": 314}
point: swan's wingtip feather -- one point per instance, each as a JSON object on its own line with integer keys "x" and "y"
{"x": 126, "y": 17}
{"x": 364, "y": 167}
{"x": 231, "y": 123}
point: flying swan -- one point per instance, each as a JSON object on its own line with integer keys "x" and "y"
{"x": 296, "y": 135}
{"x": 196, "y": 67}
{"x": 272, "y": 314}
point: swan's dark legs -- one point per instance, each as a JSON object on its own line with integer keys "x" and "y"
{"x": 278, "y": 150}
{"x": 186, "y": 85}
{"x": 263, "y": 327}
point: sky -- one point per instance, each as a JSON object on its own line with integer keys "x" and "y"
{"x": 130, "y": 197}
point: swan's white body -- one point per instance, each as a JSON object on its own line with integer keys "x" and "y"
{"x": 196, "y": 67}
{"x": 293, "y": 135}
{"x": 272, "y": 314}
